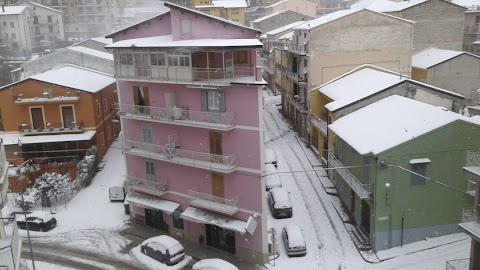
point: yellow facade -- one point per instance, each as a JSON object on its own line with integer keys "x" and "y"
{"x": 232, "y": 14}
{"x": 420, "y": 74}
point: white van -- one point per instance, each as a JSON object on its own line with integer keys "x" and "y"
{"x": 117, "y": 194}
{"x": 272, "y": 179}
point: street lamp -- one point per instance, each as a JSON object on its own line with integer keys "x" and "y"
{"x": 19, "y": 180}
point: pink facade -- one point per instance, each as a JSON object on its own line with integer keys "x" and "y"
{"x": 194, "y": 140}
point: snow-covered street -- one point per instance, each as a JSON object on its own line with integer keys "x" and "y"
{"x": 88, "y": 232}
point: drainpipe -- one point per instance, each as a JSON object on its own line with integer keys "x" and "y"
{"x": 401, "y": 238}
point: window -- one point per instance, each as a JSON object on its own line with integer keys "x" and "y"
{"x": 49, "y": 18}
{"x": 108, "y": 132}
{"x": 12, "y": 25}
{"x": 185, "y": 27}
{"x": 177, "y": 220}
{"x": 67, "y": 116}
{"x": 157, "y": 57}
{"x": 103, "y": 139}
{"x": 213, "y": 101}
{"x": 105, "y": 105}
{"x": 421, "y": 169}
{"x": 240, "y": 57}
{"x": 1, "y": 121}
{"x": 150, "y": 170}
{"x": 14, "y": 36}
{"x": 99, "y": 109}
{"x": 179, "y": 58}
{"x": 50, "y": 29}
{"x": 126, "y": 57}
{"x": 234, "y": 11}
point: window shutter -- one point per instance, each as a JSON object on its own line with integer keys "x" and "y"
{"x": 222, "y": 101}
{"x": 204, "y": 98}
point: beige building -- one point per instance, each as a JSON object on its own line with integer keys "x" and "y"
{"x": 438, "y": 23}
{"x": 301, "y": 6}
{"x": 324, "y": 48}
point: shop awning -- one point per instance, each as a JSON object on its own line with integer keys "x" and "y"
{"x": 152, "y": 202}
{"x": 200, "y": 216}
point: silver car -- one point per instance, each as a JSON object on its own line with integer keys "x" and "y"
{"x": 294, "y": 242}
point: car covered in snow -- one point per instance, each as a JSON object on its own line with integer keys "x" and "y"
{"x": 164, "y": 249}
{"x": 213, "y": 264}
{"x": 37, "y": 221}
{"x": 279, "y": 202}
{"x": 116, "y": 194}
{"x": 272, "y": 179}
{"x": 294, "y": 242}
{"x": 270, "y": 157}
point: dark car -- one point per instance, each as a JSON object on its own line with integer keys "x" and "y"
{"x": 164, "y": 249}
{"x": 37, "y": 221}
{"x": 279, "y": 203}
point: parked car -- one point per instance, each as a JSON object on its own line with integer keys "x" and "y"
{"x": 37, "y": 221}
{"x": 116, "y": 194}
{"x": 214, "y": 264}
{"x": 164, "y": 249}
{"x": 272, "y": 179}
{"x": 294, "y": 242}
{"x": 270, "y": 157}
{"x": 279, "y": 203}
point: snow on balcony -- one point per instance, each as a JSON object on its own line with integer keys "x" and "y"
{"x": 146, "y": 186}
{"x": 213, "y": 203}
{"x": 149, "y": 201}
{"x": 199, "y": 216}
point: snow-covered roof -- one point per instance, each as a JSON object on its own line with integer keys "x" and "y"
{"x": 161, "y": 14}
{"x": 163, "y": 205}
{"x": 363, "y": 82}
{"x": 45, "y": 7}
{"x": 225, "y": 4}
{"x": 390, "y": 122}
{"x": 257, "y": 20}
{"x": 277, "y": 3}
{"x": 295, "y": 237}
{"x": 285, "y": 28}
{"x": 213, "y": 264}
{"x": 434, "y": 56}
{"x": 199, "y": 216}
{"x": 388, "y": 6}
{"x": 102, "y": 40}
{"x": 76, "y": 77}
{"x": 92, "y": 52}
{"x": 168, "y": 42}
{"x": 287, "y": 36}
{"x": 85, "y": 136}
{"x": 470, "y": 4}
{"x": 12, "y": 10}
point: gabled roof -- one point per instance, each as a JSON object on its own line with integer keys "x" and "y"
{"x": 365, "y": 81}
{"x": 434, "y": 56}
{"x": 76, "y": 77}
{"x": 103, "y": 40}
{"x": 225, "y": 4}
{"x": 391, "y": 122}
{"x": 257, "y": 20}
{"x": 12, "y": 10}
{"x": 136, "y": 25}
{"x": 340, "y": 14}
{"x": 168, "y": 42}
{"x": 282, "y": 29}
{"x": 218, "y": 19}
{"x": 92, "y": 52}
{"x": 277, "y": 3}
{"x": 391, "y": 6}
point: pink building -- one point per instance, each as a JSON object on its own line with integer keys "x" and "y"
{"x": 191, "y": 112}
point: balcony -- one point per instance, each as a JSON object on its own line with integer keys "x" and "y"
{"x": 319, "y": 124}
{"x": 206, "y": 161}
{"x": 462, "y": 264}
{"x": 195, "y": 76}
{"x": 179, "y": 116}
{"x": 10, "y": 245}
{"x": 36, "y": 100}
{"x": 51, "y": 129}
{"x": 156, "y": 188}
{"x": 364, "y": 191}
{"x": 297, "y": 77}
{"x": 297, "y": 49}
{"x": 474, "y": 30}
{"x": 213, "y": 203}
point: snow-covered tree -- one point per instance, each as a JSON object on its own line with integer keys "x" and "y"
{"x": 29, "y": 198}
{"x": 52, "y": 184}
{"x": 86, "y": 168}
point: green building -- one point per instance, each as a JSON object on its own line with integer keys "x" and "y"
{"x": 394, "y": 150}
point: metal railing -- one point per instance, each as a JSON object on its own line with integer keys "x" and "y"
{"x": 230, "y": 202}
{"x": 470, "y": 215}
{"x": 187, "y": 157}
{"x": 226, "y": 119}
{"x": 363, "y": 190}
{"x": 471, "y": 30}
{"x": 50, "y": 128}
{"x": 461, "y": 264}
{"x": 296, "y": 48}
{"x": 319, "y": 123}
{"x": 135, "y": 182}
{"x": 185, "y": 74}
{"x": 8, "y": 254}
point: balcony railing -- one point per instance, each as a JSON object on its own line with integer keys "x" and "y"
{"x": 213, "y": 203}
{"x": 223, "y": 164}
{"x": 10, "y": 246}
{"x": 319, "y": 124}
{"x": 462, "y": 264}
{"x": 470, "y": 215}
{"x": 471, "y": 30}
{"x": 298, "y": 49}
{"x": 187, "y": 74}
{"x": 146, "y": 186}
{"x": 179, "y": 116}
{"x": 362, "y": 190}
{"x": 50, "y": 128}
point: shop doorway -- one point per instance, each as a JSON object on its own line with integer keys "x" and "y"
{"x": 154, "y": 218}
{"x": 220, "y": 238}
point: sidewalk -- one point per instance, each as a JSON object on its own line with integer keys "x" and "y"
{"x": 138, "y": 232}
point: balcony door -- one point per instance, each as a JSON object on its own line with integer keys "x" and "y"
{"x": 216, "y": 147}
{"x": 67, "y": 116}
{"x": 141, "y": 100}
{"x": 37, "y": 117}
{"x": 218, "y": 185}
{"x": 147, "y": 137}
{"x": 150, "y": 170}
